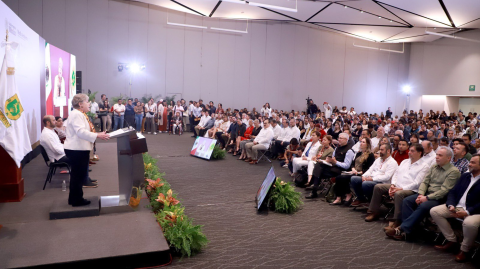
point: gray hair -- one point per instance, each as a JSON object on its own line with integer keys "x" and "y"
{"x": 344, "y": 135}
{"x": 78, "y": 98}
{"x": 448, "y": 149}
{"x": 399, "y": 132}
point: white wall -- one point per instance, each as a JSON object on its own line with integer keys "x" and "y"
{"x": 469, "y": 105}
{"x": 275, "y": 62}
{"x": 444, "y": 67}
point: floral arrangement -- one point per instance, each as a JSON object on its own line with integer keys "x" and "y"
{"x": 284, "y": 197}
{"x": 183, "y": 236}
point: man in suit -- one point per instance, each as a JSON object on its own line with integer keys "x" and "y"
{"x": 463, "y": 202}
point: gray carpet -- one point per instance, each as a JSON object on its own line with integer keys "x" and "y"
{"x": 29, "y": 238}
{"x": 220, "y": 195}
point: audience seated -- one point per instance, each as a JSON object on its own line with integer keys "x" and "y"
{"x": 429, "y": 153}
{"x": 202, "y": 124}
{"x": 246, "y": 136}
{"x": 60, "y": 130}
{"x": 459, "y": 160}
{"x": 463, "y": 203}
{"x": 293, "y": 150}
{"x": 439, "y": 180}
{"x": 256, "y": 130}
{"x": 379, "y": 135}
{"x": 405, "y": 182}
{"x": 324, "y": 151}
{"x": 362, "y": 161}
{"x": 283, "y": 140}
{"x": 401, "y": 153}
{"x": 333, "y": 166}
{"x": 261, "y": 142}
{"x": 381, "y": 171}
{"x": 310, "y": 151}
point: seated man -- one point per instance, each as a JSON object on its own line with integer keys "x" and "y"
{"x": 459, "y": 160}
{"x": 381, "y": 171}
{"x": 261, "y": 142}
{"x": 365, "y": 133}
{"x": 405, "y": 182}
{"x": 467, "y": 138}
{"x": 209, "y": 125}
{"x": 54, "y": 149}
{"x": 463, "y": 202}
{"x": 201, "y": 125}
{"x": 177, "y": 122}
{"x": 289, "y": 132}
{"x": 376, "y": 140}
{"x": 310, "y": 151}
{"x": 341, "y": 161}
{"x": 439, "y": 180}
{"x": 428, "y": 152}
{"x": 402, "y": 152}
{"x": 60, "y": 129}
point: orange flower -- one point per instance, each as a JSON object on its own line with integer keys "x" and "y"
{"x": 168, "y": 200}
{"x": 153, "y": 184}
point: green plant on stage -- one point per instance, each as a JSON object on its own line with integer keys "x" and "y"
{"x": 179, "y": 230}
{"x": 284, "y": 197}
{"x": 218, "y": 153}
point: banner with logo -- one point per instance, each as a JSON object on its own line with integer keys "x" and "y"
{"x": 58, "y": 91}
{"x": 20, "y": 85}
{"x": 73, "y": 81}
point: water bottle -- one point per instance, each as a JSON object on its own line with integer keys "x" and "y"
{"x": 64, "y": 186}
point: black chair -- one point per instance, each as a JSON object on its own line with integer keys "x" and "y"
{"x": 52, "y": 166}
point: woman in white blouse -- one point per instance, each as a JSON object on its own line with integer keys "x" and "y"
{"x": 77, "y": 146}
{"x": 151, "y": 109}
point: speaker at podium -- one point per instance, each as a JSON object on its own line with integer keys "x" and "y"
{"x": 131, "y": 171}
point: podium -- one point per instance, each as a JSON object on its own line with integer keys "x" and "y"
{"x": 11, "y": 181}
{"x": 131, "y": 171}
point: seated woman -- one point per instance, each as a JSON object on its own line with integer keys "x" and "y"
{"x": 241, "y": 128}
{"x": 360, "y": 164}
{"x": 293, "y": 150}
{"x": 414, "y": 139}
{"x": 325, "y": 150}
{"x": 383, "y": 141}
{"x": 246, "y": 136}
{"x": 255, "y": 132}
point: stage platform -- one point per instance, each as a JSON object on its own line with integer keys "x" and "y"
{"x": 122, "y": 240}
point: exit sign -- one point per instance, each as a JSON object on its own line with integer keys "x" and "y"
{"x": 471, "y": 88}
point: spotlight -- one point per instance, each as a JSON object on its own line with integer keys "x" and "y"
{"x": 406, "y": 89}
{"x": 120, "y": 67}
{"x": 134, "y": 68}
{"x": 127, "y": 67}
{"x": 142, "y": 67}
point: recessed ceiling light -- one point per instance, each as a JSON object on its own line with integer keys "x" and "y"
{"x": 361, "y": 11}
{"x": 435, "y": 28}
{"x": 345, "y": 6}
{"x": 390, "y": 20}
{"x": 379, "y": 17}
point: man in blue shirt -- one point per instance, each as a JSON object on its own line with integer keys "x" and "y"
{"x": 130, "y": 113}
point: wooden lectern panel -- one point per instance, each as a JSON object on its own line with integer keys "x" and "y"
{"x": 11, "y": 181}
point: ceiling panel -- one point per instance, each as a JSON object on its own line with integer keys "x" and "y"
{"x": 429, "y": 8}
{"x": 381, "y": 20}
{"x": 338, "y": 14}
{"x": 463, "y": 13}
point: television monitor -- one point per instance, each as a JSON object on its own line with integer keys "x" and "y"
{"x": 265, "y": 188}
{"x": 203, "y": 147}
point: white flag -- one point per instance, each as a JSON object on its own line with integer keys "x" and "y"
{"x": 13, "y": 126}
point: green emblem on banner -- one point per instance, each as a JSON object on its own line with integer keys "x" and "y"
{"x": 73, "y": 78}
{"x": 471, "y": 88}
{"x": 13, "y": 107}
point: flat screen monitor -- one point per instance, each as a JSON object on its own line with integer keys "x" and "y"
{"x": 265, "y": 188}
{"x": 203, "y": 147}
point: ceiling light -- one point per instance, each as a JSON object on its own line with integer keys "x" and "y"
{"x": 390, "y": 20}
{"x": 186, "y": 25}
{"x": 379, "y": 17}
{"x": 452, "y": 36}
{"x": 361, "y": 11}
{"x": 345, "y": 6}
{"x": 264, "y": 5}
{"x": 406, "y": 89}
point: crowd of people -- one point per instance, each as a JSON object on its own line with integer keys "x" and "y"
{"x": 420, "y": 164}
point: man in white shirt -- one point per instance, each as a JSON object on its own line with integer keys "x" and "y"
{"x": 428, "y": 153}
{"x": 277, "y": 130}
{"x": 282, "y": 142}
{"x": 310, "y": 151}
{"x": 261, "y": 142}
{"x": 381, "y": 171}
{"x": 118, "y": 115}
{"x": 365, "y": 133}
{"x": 201, "y": 124}
{"x": 54, "y": 149}
{"x": 463, "y": 202}
{"x": 378, "y": 138}
{"x": 405, "y": 182}
{"x": 328, "y": 109}
{"x": 51, "y": 142}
